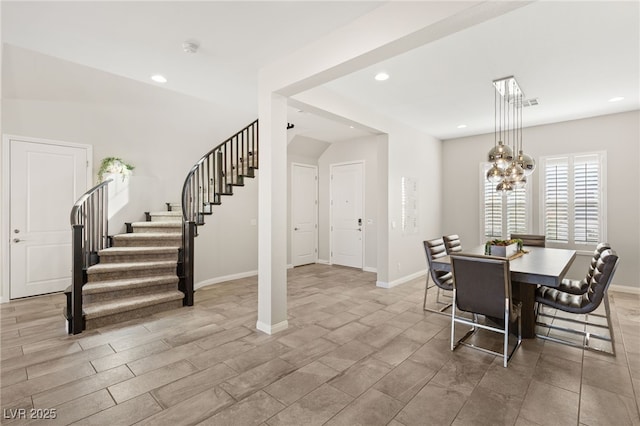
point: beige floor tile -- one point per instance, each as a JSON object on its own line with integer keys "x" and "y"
{"x": 40, "y": 356}
{"x": 422, "y": 331}
{"x": 346, "y": 333}
{"x": 460, "y": 375}
{"x": 16, "y": 412}
{"x": 220, "y": 353}
{"x": 443, "y": 406}
{"x": 603, "y": 375}
{"x": 379, "y": 336}
{"x": 223, "y": 337}
{"x": 257, "y": 356}
{"x": 547, "y": 404}
{"x": 81, "y": 387}
{"x": 602, "y": 407}
{"x": 42, "y": 383}
{"x": 80, "y": 408}
{"x": 314, "y": 409}
{"x": 12, "y": 377}
{"x": 160, "y": 359}
{"x": 485, "y": 407}
{"x": 192, "y": 410}
{"x": 11, "y": 352}
{"x": 397, "y": 350}
{"x": 361, "y": 376}
{"x": 377, "y": 318}
{"x": 151, "y": 380}
{"x": 129, "y": 355}
{"x": 257, "y": 378}
{"x": 299, "y": 383}
{"x": 337, "y": 320}
{"x": 346, "y": 355}
{"x": 308, "y": 353}
{"x": 372, "y": 408}
{"x": 559, "y": 372}
{"x": 68, "y": 361}
{"x": 250, "y": 411}
{"x": 125, "y": 414}
{"x": 404, "y": 381}
{"x": 193, "y": 335}
{"x": 193, "y": 384}
{"x": 302, "y": 337}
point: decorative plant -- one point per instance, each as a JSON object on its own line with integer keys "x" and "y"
{"x": 114, "y": 165}
{"x": 488, "y": 244}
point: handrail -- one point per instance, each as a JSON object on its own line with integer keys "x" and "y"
{"x": 212, "y": 176}
{"x": 89, "y": 223}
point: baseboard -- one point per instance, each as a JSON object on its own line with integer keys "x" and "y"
{"x": 370, "y": 269}
{"x": 625, "y": 289}
{"x": 290, "y": 266}
{"x": 272, "y": 329}
{"x": 225, "y": 278}
{"x": 4, "y": 299}
{"x": 402, "y": 280}
{"x": 323, "y": 262}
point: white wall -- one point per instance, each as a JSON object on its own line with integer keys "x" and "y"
{"x": 617, "y": 134}
{"x": 361, "y": 149}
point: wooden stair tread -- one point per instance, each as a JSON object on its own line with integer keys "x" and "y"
{"x": 111, "y": 307}
{"x": 114, "y": 285}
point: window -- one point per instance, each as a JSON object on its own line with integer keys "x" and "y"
{"x": 572, "y": 199}
{"x": 504, "y": 213}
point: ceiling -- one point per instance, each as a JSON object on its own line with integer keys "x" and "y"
{"x": 572, "y": 56}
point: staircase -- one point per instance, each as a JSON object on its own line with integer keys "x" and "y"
{"x": 137, "y": 275}
{"x": 149, "y": 269}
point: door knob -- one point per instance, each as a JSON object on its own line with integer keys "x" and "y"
{"x": 16, "y": 240}
{"x": 16, "y": 231}
{"x": 295, "y": 229}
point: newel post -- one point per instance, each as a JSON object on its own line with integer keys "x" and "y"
{"x": 188, "y": 253}
{"x": 78, "y": 280}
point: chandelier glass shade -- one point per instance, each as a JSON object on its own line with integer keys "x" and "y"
{"x": 510, "y": 166}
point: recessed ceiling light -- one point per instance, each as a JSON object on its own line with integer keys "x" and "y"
{"x": 159, "y": 78}
{"x": 351, "y": 127}
{"x": 462, "y": 126}
{"x": 616, "y": 99}
{"x": 382, "y": 76}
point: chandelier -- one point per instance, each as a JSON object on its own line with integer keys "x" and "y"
{"x": 510, "y": 165}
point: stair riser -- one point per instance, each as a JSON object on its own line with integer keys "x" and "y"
{"x": 169, "y": 242}
{"x": 138, "y": 258}
{"x": 162, "y": 218}
{"x": 158, "y": 229}
{"x": 127, "y": 292}
{"x": 93, "y": 323}
{"x": 127, "y": 274}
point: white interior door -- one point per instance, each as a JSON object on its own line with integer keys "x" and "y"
{"x": 304, "y": 214}
{"x": 347, "y": 214}
{"x": 46, "y": 180}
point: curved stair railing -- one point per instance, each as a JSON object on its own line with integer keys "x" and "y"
{"x": 214, "y": 175}
{"x": 89, "y": 223}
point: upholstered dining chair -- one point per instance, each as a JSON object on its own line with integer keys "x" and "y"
{"x": 585, "y": 303}
{"x": 442, "y": 280}
{"x": 530, "y": 239}
{"x": 452, "y": 243}
{"x": 581, "y": 286}
{"x": 482, "y": 286}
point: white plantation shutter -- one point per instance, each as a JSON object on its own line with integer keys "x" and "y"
{"x": 503, "y": 214}
{"x": 573, "y": 197}
{"x": 586, "y": 194}
{"x": 556, "y": 199}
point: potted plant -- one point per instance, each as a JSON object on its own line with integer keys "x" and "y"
{"x": 114, "y": 165}
{"x": 503, "y": 248}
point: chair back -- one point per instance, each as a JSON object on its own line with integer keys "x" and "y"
{"x": 594, "y": 260}
{"x": 434, "y": 249}
{"x": 482, "y": 284}
{"x": 452, "y": 243}
{"x": 530, "y": 239}
{"x": 602, "y": 276}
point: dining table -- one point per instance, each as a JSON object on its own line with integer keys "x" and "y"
{"x": 530, "y": 268}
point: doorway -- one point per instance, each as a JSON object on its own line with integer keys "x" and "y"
{"x": 304, "y": 214}
{"x": 347, "y": 218}
{"x": 44, "y": 179}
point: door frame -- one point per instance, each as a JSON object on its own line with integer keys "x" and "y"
{"x": 315, "y": 167}
{"x": 5, "y": 231}
{"x": 362, "y": 191}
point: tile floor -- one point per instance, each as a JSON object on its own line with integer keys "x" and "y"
{"x": 353, "y": 354}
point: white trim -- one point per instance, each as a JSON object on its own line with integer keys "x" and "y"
{"x": 625, "y": 289}
{"x": 5, "y": 232}
{"x": 272, "y": 329}
{"x": 224, "y": 278}
{"x": 289, "y": 265}
{"x": 402, "y": 280}
{"x": 362, "y": 191}
{"x": 370, "y": 269}
{"x": 323, "y": 262}
{"x": 316, "y": 236}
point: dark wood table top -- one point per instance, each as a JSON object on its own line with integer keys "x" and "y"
{"x": 546, "y": 266}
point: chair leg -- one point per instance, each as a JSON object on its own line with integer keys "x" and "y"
{"x": 424, "y": 303}
{"x": 586, "y": 335}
